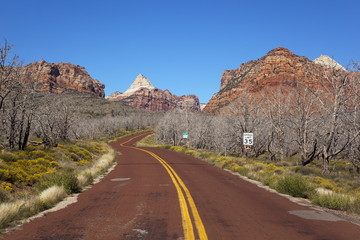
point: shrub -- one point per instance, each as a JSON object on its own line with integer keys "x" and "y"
{"x": 255, "y": 167}
{"x": 37, "y": 154}
{"x": 14, "y": 176}
{"x": 355, "y": 207}
{"x": 271, "y": 180}
{"x": 294, "y": 185}
{"x": 4, "y": 196}
{"x": 84, "y": 154}
{"x": 5, "y": 186}
{"x": 241, "y": 170}
{"x": 204, "y": 155}
{"x": 52, "y": 195}
{"x": 75, "y": 157}
{"x": 178, "y": 149}
{"x": 324, "y": 183}
{"x": 66, "y": 179}
{"x": 333, "y": 200}
{"x": 272, "y": 168}
{"x": 304, "y": 170}
{"x": 82, "y": 163}
{"x": 8, "y": 157}
{"x": 27, "y": 172}
{"x": 167, "y": 146}
{"x": 9, "y": 211}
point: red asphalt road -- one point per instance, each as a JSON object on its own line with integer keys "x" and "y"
{"x": 138, "y": 200}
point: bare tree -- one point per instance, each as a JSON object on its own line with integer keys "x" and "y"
{"x": 333, "y": 99}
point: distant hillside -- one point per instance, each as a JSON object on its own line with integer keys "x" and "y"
{"x": 61, "y": 78}
{"x": 143, "y": 95}
{"x": 87, "y": 105}
{"x": 279, "y": 67}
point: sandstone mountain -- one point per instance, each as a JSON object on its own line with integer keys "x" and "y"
{"x": 140, "y": 82}
{"x": 114, "y": 95}
{"x": 61, "y": 78}
{"x": 279, "y": 67}
{"x": 328, "y": 62}
{"x": 142, "y": 94}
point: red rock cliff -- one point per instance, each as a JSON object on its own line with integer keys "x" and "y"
{"x": 142, "y": 94}
{"x": 61, "y": 78}
{"x": 280, "y": 67}
{"x": 158, "y": 100}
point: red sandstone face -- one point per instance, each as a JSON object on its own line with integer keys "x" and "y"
{"x": 279, "y": 68}
{"x": 61, "y": 78}
{"x": 158, "y": 100}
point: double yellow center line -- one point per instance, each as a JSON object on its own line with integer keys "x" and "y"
{"x": 185, "y": 199}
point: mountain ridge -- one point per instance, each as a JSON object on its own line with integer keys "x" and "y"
{"x": 60, "y": 78}
{"x": 279, "y": 67}
{"x": 143, "y": 95}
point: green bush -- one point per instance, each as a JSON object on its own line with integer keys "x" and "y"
{"x": 8, "y": 157}
{"x": 75, "y": 157}
{"x": 66, "y": 179}
{"x": 271, "y": 180}
{"x": 37, "y": 154}
{"x": 204, "y": 155}
{"x": 333, "y": 201}
{"x": 84, "y": 154}
{"x": 4, "y": 196}
{"x": 294, "y": 185}
{"x": 304, "y": 170}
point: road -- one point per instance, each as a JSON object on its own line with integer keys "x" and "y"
{"x": 157, "y": 194}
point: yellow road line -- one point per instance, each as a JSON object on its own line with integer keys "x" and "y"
{"x": 186, "y": 220}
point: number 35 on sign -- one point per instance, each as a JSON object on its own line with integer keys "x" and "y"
{"x": 248, "y": 139}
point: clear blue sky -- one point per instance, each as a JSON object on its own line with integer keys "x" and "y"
{"x": 180, "y": 45}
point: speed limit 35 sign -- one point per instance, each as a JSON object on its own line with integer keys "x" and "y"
{"x": 248, "y": 139}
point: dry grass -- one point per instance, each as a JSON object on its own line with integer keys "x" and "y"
{"x": 29, "y": 204}
{"x": 105, "y": 161}
{"x": 52, "y": 194}
{"x": 8, "y": 211}
{"x": 333, "y": 200}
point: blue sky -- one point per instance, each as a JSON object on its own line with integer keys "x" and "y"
{"x": 183, "y": 46}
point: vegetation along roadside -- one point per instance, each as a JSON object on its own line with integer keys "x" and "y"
{"x": 338, "y": 190}
{"x": 37, "y": 178}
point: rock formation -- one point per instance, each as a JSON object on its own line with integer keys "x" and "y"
{"x": 328, "y": 62}
{"x": 114, "y": 95}
{"x": 142, "y": 94}
{"x": 202, "y": 106}
{"x": 280, "y": 67}
{"x": 140, "y": 82}
{"x": 61, "y": 78}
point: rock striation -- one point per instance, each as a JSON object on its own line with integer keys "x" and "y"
{"x": 61, "y": 78}
{"x": 279, "y": 67}
{"x": 142, "y": 94}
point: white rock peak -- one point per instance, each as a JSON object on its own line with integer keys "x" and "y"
{"x": 328, "y": 62}
{"x": 140, "y": 82}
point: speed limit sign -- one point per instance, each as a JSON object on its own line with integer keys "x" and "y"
{"x": 248, "y": 139}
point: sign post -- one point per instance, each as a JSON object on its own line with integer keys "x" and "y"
{"x": 248, "y": 141}
{"x": 186, "y": 137}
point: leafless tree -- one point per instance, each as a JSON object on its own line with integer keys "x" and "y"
{"x": 333, "y": 98}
